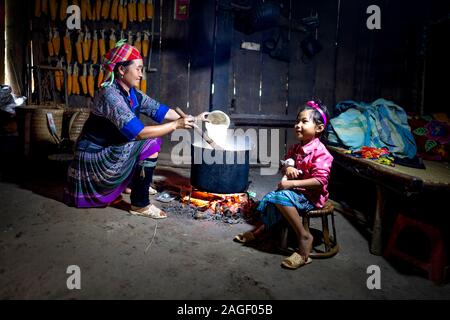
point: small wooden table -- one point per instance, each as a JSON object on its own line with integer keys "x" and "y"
{"x": 400, "y": 179}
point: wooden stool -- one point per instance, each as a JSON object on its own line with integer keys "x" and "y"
{"x": 436, "y": 264}
{"x": 330, "y": 243}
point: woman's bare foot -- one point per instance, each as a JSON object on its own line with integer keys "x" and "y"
{"x": 127, "y": 191}
{"x": 305, "y": 245}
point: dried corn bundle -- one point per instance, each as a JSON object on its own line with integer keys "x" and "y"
{"x": 101, "y": 44}
{"x": 59, "y": 76}
{"x": 114, "y": 10}
{"x": 145, "y": 45}
{"x": 112, "y": 40}
{"x": 100, "y": 78}
{"x": 67, "y": 46}
{"x": 105, "y": 9}
{"x": 63, "y": 9}
{"x": 137, "y": 43}
{"x": 98, "y": 9}
{"x": 51, "y": 52}
{"x": 86, "y": 45}
{"x": 150, "y": 9}
{"x": 94, "y": 48}
{"x": 84, "y": 9}
{"x": 37, "y": 8}
{"x": 83, "y": 79}
{"x": 124, "y": 22}
{"x": 69, "y": 79}
{"x": 89, "y": 13}
{"x": 79, "y": 49}
{"x": 44, "y": 6}
{"x": 130, "y": 37}
{"x": 131, "y": 10}
{"x": 56, "y": 42}
{"x": 141, "y": 10}
{"x": 90, "y": 81}
{"x": 75, "y": 84}
{"x": 143, "y": 84}
{"x": 53, "y": 6}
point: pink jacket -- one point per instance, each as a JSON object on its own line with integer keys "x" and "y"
{"x": 314, "y": 160}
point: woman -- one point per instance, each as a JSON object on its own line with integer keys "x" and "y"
{"x": 115, "y": 147}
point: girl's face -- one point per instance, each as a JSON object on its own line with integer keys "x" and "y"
{"x": 305, "y": 128}
{"x": 132, "y": 74}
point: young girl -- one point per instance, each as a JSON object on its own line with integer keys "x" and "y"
{"x": 305, "y": 187}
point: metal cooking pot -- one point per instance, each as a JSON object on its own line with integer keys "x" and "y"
{"x": 228, "y": 174}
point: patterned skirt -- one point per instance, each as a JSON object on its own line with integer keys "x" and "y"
{"x": 269, "y": 212}
{"x": 98, "y": 175}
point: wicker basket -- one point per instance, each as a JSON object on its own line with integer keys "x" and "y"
{"x": 40, "y": 131}
{"x": 76, "y": 123}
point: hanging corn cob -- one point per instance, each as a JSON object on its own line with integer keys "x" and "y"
{"x": 141, "y": 10}
{"x": 75, "y": 84}
{"x": 114, "y": 10}
{"x": 56, "y": 42}
{"x": 94, "y": 48}
{"x": 100, "y": 78}
{"x": 44, "y": 6}
{"x": 120, "y": 11}
{"x": 63, "y": 9}
{"x": 89, "y": 15}
{"x": 83, "y": 9}
{"x": 101, "y": 44}
{"x": 53, "y": 9}
{"x": 69, "y": 79}
{"x": 51, "y": 52}
{"x": 137, "y": 43}
{"x": 130, "y": 9}
{"x": 130, "y": 37}
{"x": 79, "y": 48}
{"x": 90, "y": 81}
{"x": 145, "y": 45}
{"x": 67, "y": 46}
{"x": 59, "y": 76}
{"x": 124, "y": 15}
{"x": 150, "y": 8}
{"x": 37, "y": 8}
{"x": 98, "y": 9}
{"x": 83, "y": 79}
{"x": 86, "y": 45}
{"x": 143, "y": 84}
{"x": 112, "y": 40}
{"x": 105, "y": 9}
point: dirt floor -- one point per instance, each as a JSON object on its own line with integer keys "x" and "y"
{"x": 128, "y": 257}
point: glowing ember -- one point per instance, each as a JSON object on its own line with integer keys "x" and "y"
{"x": 234, "y": 204}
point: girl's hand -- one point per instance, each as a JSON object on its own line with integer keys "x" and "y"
{"x": 286, "y": 184}
{"x": 185, "y": 123}
{"x": 292, "y": 173}
{"x": 203, "y": 117}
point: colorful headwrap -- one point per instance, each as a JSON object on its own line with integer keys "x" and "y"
{"x": 120, "y": 53}
{"x": 314, "y": 105}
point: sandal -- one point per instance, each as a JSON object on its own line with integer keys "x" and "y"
{"x": 151, "y": 211}
{"x": 295, "y": 261}
{"x": 245, "y": 237}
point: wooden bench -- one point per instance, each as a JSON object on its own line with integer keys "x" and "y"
{"x": 399, "y": 179}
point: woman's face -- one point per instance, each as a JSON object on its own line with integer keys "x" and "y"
{"x": 132, "y": 74}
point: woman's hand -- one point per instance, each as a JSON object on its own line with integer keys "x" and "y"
{"x": 185, "y": 123}
{"x": 202, "y": 117}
